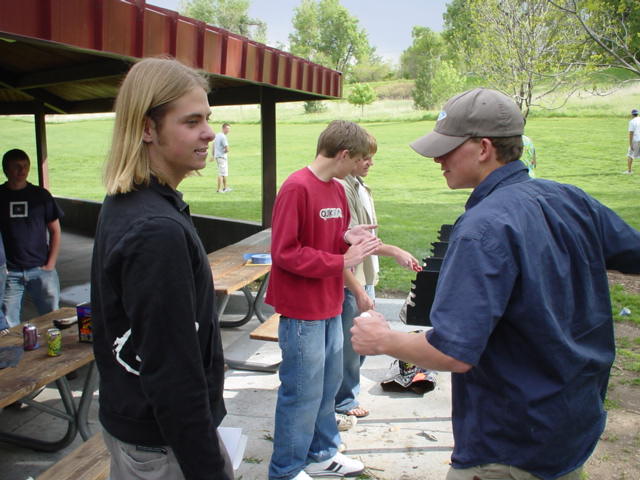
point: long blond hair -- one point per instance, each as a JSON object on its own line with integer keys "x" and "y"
{"x": 146, "y": 93}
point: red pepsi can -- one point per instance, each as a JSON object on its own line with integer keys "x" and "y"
{"x": 30, "y": 336}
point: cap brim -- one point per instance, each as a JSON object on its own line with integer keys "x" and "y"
{"x": 435, "y": 144}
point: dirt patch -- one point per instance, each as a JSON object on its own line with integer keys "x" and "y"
{"x": 617, "y": 456}
{"x": 631, "y": 283}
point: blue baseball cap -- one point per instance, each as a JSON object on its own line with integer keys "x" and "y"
{"x": 634, "y": 112}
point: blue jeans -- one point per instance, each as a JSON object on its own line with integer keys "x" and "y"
{"x": 3, "y": 281}
{"x": 347, "y": 397}
{"x": 310, "y": 374}
{"x": 42, "y": 286}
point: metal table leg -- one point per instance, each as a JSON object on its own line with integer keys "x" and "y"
{"x": 236, "y": 323}
{"x": 82, "y": 415}
{"x": 257, "y": 302}
{"x": 69, "y": 414}
{"x": 77, "y": 418}
{"x": 254, "y": 304}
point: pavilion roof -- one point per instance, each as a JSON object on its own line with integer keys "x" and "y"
{"x": 69, "y": 56}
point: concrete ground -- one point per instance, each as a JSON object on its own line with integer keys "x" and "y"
{"x": 406, "y": 436}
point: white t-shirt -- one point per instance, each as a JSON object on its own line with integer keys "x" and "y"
{"x": 220, "y": 144}
{"x": 634, "y": 126}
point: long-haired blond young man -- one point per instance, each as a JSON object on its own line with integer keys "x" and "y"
{"x": 156, "y": 336}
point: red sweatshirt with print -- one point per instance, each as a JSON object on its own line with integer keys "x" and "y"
{"x": 310, "y": 217}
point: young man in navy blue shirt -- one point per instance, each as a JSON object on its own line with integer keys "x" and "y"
{"x": 532, "y": 344}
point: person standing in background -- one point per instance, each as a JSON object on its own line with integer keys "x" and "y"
{"x": 529, "y": 157}
{"x": 221, "y": 155}
{"x": 28, "y": 215}
{"x": 634, "y": 140}
{"x": 360, "y": 282}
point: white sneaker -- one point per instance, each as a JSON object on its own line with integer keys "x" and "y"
{"x": 302, "y": 476}
{"x": 627, "y": 172}
{"x": 225, "y": 190}
{"x": 338, "y": 466}
{"x": 346, "y": 422}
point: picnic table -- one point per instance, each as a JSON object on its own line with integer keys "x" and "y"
{"x": 231, "y": 273}
{"x": 36, "y": 369}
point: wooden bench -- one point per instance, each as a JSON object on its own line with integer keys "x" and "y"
{"x": 90, "y": 461}
{"x": 268, "y": 330}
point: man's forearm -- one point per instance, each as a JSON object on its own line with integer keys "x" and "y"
{"x": 55, "y": 236}
{"x": 414, "y": 348}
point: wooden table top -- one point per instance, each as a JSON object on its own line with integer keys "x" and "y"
{"x": 36, "y": 369}
{"x": 230, "y": 272}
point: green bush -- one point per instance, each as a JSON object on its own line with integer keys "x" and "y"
{"x": 314, "y": 107}
{"x": 395, "y": 90}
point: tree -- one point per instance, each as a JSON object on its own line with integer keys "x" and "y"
{"x": 425, "y": 60}
{"x": 232, "y": 15}
{"x": 431, "y": 89}
{"x": 361, "y": 94}
{"x": 518, "y": 46}
{"x": 613, "y": 25}
{"x": 424, "y": 54}
{"x": 460, "y": 31}
{"x": 324, "y": 32}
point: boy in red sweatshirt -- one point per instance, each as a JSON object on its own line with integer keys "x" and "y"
{"x": 311, "y": 246}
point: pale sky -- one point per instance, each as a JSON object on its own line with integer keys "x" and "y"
{"x": 388, "y": 24}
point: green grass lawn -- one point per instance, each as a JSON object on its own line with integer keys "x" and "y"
{"x": 412, "y": 199}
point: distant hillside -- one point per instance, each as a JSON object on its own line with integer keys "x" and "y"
{"x": 388, "y": 90}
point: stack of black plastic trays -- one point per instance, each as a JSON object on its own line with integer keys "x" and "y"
{"x": 424, "y": 286}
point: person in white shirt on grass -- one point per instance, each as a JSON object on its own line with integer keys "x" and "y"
{"x": 220, "y": 150}
{"x": 634, "y": 140}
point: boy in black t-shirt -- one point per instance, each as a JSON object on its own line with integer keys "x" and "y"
{"x": 28, "y": 215}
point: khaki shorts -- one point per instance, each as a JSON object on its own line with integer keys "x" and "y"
{"x": 223, "y": 166}
{"x": 634, "y": 150}
{"x": 497, "y": 471}
{"x": 144, "y": 463}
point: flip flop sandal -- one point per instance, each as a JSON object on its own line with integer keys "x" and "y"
{"x": 353, "y": 413}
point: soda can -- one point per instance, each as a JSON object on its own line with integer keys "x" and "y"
{"x": 85, "y": 330}
{"x": 30, "y": 336}
{"x": 54, "y": 342}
